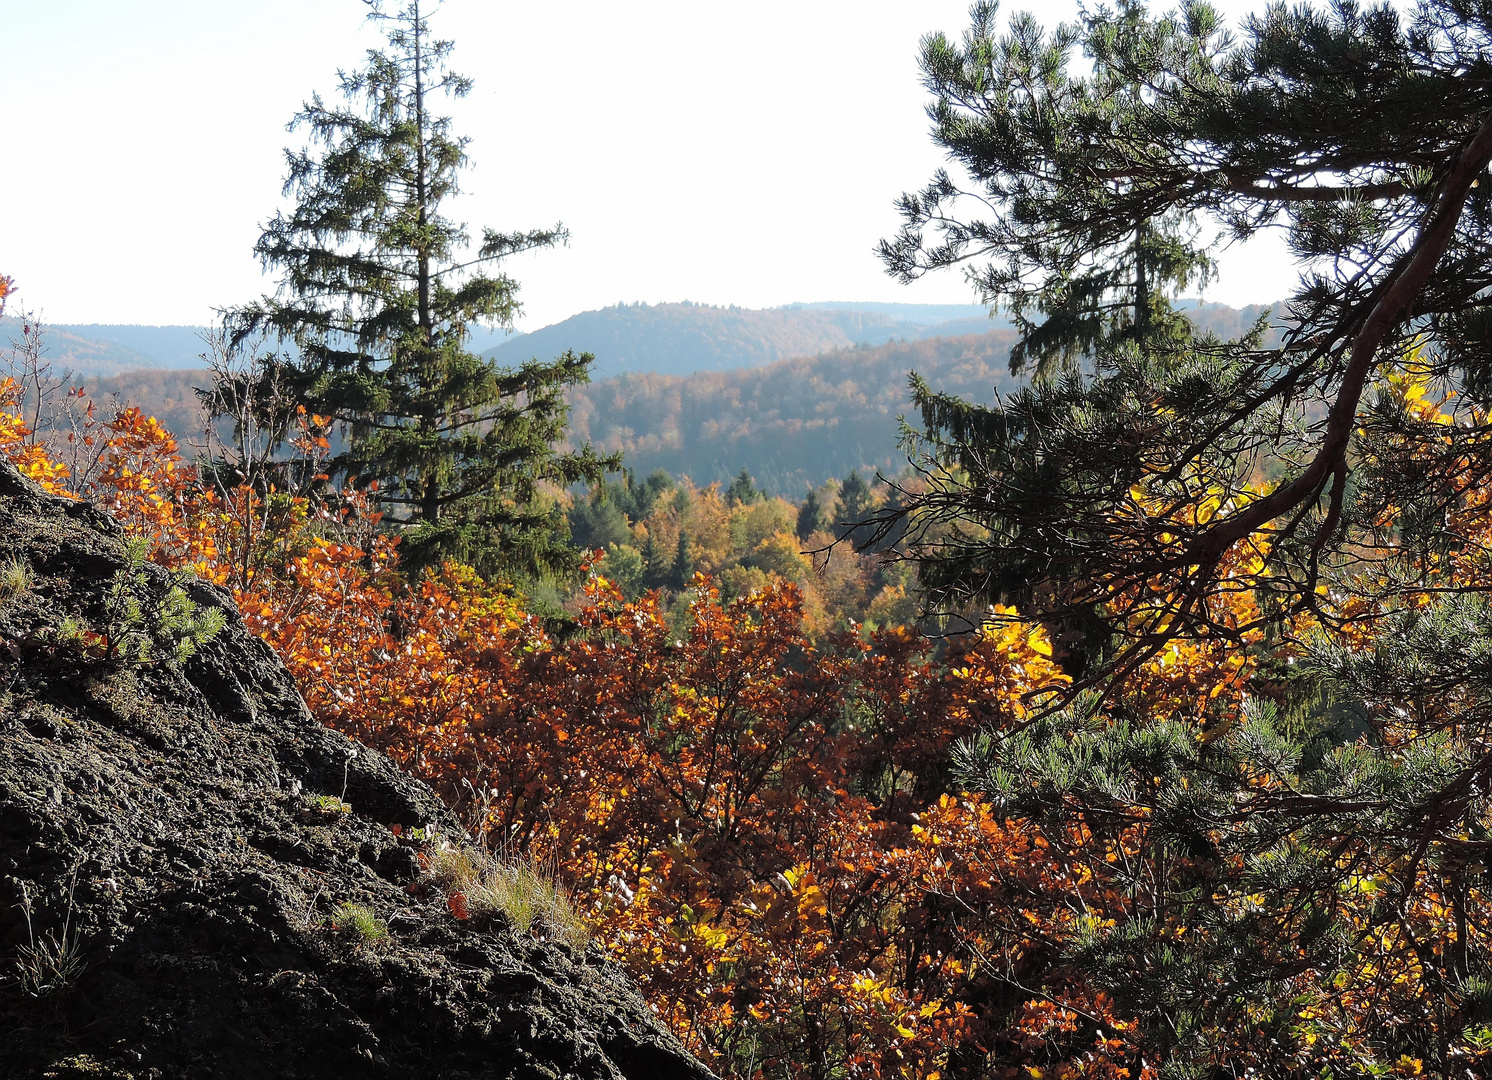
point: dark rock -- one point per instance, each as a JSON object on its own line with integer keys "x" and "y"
{"x": 152, "y": 815}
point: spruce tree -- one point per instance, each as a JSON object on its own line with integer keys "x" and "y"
{"x": 656, "y": 566}
{"x": 742, "y": 489}
{"x": 378, "y": 291}
{"x": 682, "y": 571}
{"x": 810, "y": 515}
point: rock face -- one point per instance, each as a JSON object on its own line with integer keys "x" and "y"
{"x": 156, "y": 818}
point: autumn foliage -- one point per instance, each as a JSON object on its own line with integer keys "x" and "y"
{"x": 854, "y": 855}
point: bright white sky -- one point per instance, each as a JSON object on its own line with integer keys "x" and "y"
{"x": 742, "y": 153}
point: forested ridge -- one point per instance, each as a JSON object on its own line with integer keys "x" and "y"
{"x": 791, "y": 423}
{"x": 685, "y": 338}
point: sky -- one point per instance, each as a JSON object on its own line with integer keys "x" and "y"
{"x": 740, "y": 154}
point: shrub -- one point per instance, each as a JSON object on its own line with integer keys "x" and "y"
{"x": 142, "y": 625}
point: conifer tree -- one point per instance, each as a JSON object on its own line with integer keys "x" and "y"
{"x": 656, "y": 566}
{"x": 742, "y": 489}
{"x": 1080, "y": 267}
{"x": 1127, "y": 480}
{"x": 682, "y": 572}
{"x": 810, "y": 515}
{"x": 378, "y": 291}
{"x": 1283, "y": 836}
{"x": 855, "y": 500}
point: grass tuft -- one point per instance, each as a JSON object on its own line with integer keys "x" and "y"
{"x": 16, "y": 580}
{"x": 358, "y": 920}
{"x": 530, "y": 900}
{"x": 50, "y": 963}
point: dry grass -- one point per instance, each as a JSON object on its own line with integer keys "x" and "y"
{"x": 51, "y": 963}
{"x": 16, "y": 580}
{"x": 529, "y": 899}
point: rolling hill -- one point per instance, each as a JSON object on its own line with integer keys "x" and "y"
{"x": 792, "y": 423}
{"x": 166, "y": 395}
{"x": 669, "y": 339}
{"x": 92, "y": 351}
{"x": 98, "y": 350}
{"x": 682, "y": 339}
{"x": 674, "y": 339}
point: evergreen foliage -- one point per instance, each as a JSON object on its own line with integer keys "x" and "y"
{"x": 682, "y": 572}
{"x": 379, "y": 293}
{"x": 656, "y": 568}
{"x": 855, "y": 499}
{"x": 1125, "y": 482}
{"x": 1085, "y": 256}
{"x": 810, "y": 515}
{"x": 1261, "y": 835}
{"x": 598, "y": 521}
{"x": 742, "y": 489}
{"x": 1157, "y": 495}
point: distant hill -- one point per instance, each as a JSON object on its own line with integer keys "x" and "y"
{"x": 166, "y": 395}
{"x": 916, "y": 314}
{"x": 87, "y": 354}
{"x": 164, "y": 346}
{"x": 1230, "y": 322}
{"x": 681, "y": 339}
{"x": 792, "y": 423}
{"x": 97, "y": 350}
{"x": 670, "y": 339}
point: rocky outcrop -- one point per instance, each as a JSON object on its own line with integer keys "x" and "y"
{"x": 169, "y": 889}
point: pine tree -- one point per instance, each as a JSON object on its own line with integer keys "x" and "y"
{"x": 1272, "y": 845}
{"x": 1362, "y": 130}
{"x": 378, "y": 292}
{"x": 1081, "y": 263}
